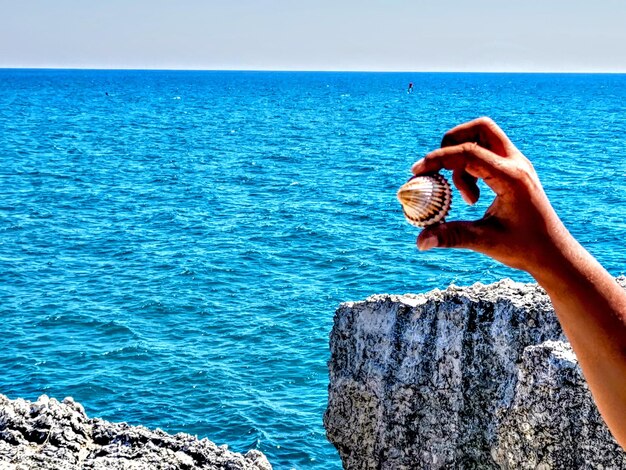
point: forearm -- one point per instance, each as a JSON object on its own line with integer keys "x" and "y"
{"x": 521, "y": 230}
{"x": 591, "y": 308}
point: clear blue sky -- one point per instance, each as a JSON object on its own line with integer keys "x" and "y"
{"x": 445, "y": 35}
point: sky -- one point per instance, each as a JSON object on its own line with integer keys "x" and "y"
{"x": 391, "y": 35}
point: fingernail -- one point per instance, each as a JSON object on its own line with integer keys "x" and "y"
{"x": 429, "y": 241}
{"x": 416, "y": 165}
{"x": 467, "y": 199}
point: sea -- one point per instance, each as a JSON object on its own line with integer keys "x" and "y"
{"x": 173, "y": 244}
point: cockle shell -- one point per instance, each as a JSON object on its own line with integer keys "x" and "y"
{"x": 425, "y": 199}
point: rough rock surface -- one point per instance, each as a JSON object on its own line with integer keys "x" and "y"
{"x": 48, "y": 434}
{"x": 474, "y": 377}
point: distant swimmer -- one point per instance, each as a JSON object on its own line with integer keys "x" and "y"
{"x": 410, "y": 89}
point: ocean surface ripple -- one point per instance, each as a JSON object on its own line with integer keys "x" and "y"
{"x": 173, "y": 244}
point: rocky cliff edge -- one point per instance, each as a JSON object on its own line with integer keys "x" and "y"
{"x": 48, "y": 434}
{"x": 472, "y": 377}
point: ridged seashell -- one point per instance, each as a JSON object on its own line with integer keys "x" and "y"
{"x": 425, "y": 199}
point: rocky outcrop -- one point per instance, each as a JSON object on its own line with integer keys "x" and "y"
{"x": 474, "y": 377}
{"x": 48, "y": 434}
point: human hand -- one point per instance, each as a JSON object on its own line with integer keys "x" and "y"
{"x": 520, "y": 228}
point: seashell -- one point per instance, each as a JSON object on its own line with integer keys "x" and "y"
{"x": 425, "y": 199}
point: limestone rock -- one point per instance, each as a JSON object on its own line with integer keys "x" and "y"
{"x": 473, "y": 377}
{"x": 49, "y": 434}
{"x": 552, "y": 421}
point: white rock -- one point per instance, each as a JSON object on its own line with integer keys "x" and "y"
{"x": 472, "y": 377}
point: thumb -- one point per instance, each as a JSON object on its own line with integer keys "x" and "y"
{"x": 450, "y": 235}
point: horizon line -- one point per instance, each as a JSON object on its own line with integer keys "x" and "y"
{"x": 158, "y": 69}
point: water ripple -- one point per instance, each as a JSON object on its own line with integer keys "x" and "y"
{"x": 176, "y": 262}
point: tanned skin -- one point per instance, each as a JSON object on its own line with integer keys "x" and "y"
{"x": 522, "y": 230}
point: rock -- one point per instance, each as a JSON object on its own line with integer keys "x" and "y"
{"x": 552, "y": 421}
{"x": 472, "y": 377}
{"x": 48, "y": 434}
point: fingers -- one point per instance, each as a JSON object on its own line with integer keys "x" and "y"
{"x": 466, "y": 184}
{"x": 484, "y": 131}
{"x": 472, "y": 159}
{"x": 452, "y": 235}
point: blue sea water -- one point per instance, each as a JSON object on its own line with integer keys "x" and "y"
{"x": 173, "y": 245}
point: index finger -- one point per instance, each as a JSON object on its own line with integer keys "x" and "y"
{"x": 471, "y": 158}
{"x": 484, "y": 131}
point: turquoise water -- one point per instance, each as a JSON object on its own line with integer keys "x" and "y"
{"x": 172, "y": 252}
